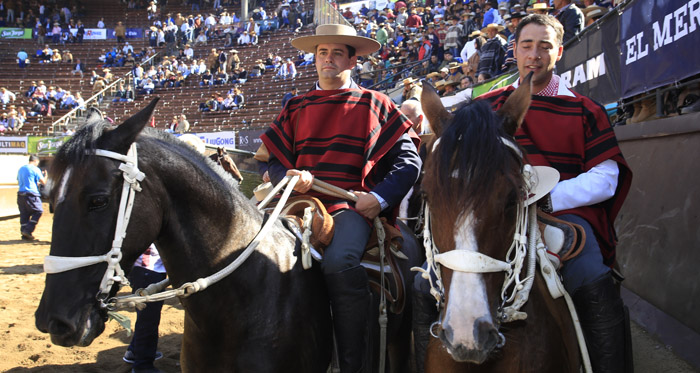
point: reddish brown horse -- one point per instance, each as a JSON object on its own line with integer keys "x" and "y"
{"x": 224, "y": 160}
{"x": 473, "y": 180}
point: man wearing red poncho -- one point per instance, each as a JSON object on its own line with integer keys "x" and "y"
{"x": 572, "y": 133}
{"x": 355, "y": 139}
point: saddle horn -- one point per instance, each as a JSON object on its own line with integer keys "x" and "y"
{"x": 514, "y": 109}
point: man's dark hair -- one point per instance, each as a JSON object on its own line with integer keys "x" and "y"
{"x": 543, "y": 20}
{"x": 351, "y": 50}
{"x": 33, "y": 158}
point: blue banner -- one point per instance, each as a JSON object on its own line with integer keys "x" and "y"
{"x": 131, "y": 33}
{"x": 250, "y": 139}
{"x": 591, "y": 66}
{"x": 659, "y": 42}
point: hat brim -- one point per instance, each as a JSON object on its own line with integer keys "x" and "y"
{"x": 498, "y": 28}
{"x": 547, "y": 179}
{"x": 363, "y": 46}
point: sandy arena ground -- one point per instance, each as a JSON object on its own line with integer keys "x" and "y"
{"x": 24, "y": 349}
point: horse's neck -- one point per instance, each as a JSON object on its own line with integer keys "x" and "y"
{"x": 205, "y": 220}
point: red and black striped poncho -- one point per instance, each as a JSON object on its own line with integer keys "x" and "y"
{"x": 339, "y": 136}
{"x": 573, "y": 134}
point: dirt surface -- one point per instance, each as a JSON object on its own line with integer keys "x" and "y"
{"x": 24, "y": 349}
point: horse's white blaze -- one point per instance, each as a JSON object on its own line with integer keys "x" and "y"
{"x": 467, "y": 297}
{"x": 62, "y": 187}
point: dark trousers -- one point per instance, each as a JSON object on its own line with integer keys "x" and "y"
{"x": 348, "y": 290}
{"x": 348, "y": 245}
{"x": 30, "y": 211}
{"x": 145, "y": 341}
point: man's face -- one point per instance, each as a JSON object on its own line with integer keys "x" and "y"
{"x": 433, "y": 58}
{"x": 333, "y": 61}
{"x": 558, "y": 4}
{"x": 537, "y": 50}
{"x": 448, "y": 56}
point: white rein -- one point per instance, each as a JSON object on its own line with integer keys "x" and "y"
{"x": 114, "y": 273}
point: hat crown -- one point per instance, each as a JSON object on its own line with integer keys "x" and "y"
{"x": 335, "y": 29}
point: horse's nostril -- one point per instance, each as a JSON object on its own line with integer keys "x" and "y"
{"x": 60, "y": 327}
{"x": 487, "y": 336}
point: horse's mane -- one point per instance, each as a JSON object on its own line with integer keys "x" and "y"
{"x": 470, "y": 157}
{"x": 81, "y": 146}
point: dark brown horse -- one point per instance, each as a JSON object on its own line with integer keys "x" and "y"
{"x": 269, "y": 315}
{"x": 474, "y": 187}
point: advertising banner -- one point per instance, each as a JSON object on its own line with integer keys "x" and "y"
{"x": 44, "y": 145}
{"x": 659, "y": 44}
{"x": 250, "y": 139}
{"x": 226, "y": 139}
{"x": 499, "y": 82}
{"x": 131, "y": 33}
{"x": 92, "y": 33}
{"x": 13, "y": 144}
{"x": 15, "y": 33}
{"x": 591, "y": 66}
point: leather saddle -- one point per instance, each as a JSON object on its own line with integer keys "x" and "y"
{"x": 322, "y": 230}
{"x": 563, "y": 240}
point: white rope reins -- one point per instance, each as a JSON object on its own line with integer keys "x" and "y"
{"x": 115, "y": 274}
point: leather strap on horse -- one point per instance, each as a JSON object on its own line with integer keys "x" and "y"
{"x": 563, "y": 239}
{"x": 200, "y": 284}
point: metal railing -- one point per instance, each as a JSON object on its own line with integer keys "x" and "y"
{"x": 63, "y": 121}
{"x": 325, "y": 13}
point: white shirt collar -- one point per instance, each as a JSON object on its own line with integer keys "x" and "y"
{"x": 347, "y": 85}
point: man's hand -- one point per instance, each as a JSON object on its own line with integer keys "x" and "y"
{"x": 367, "y": 205}
{"x": 305, "y": 180}
{"x": 266, "y": 177}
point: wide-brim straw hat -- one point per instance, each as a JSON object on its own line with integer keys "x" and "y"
{"x": 496, "y": 26}
{"x": 337, "y": 34}
{"x": 474, "y": 34}
{"x": 594, "y": 11}
{"x": 408, "y": 81}
{"x": 541, "y": 6}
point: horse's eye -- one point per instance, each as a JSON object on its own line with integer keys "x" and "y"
{"x": 98, "y": 202}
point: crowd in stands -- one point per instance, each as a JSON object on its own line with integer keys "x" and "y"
{"x": 232, "y": 100}
{"x": 456, "y": 45}
{"x": 43, "y": 100}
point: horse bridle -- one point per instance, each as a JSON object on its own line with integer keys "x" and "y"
{"x": 114, "y": 273}
{"x": 515, "y": 290}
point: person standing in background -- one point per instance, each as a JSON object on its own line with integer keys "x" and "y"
{"x": 143, "y": 349}
{"x": 29, "y": 177}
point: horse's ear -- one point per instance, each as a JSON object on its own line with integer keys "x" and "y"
{"x": 437, "y": 116}
{"x": 121, "y": 138}
{"x": 514, "y": 109}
